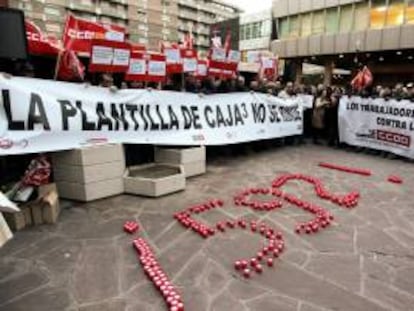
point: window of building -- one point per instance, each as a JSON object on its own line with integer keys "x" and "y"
{"x": 378, "y": 14}
{"x": 248, "y": 31}
{"x": 318, "y": 22}
{"x": 395, "y": 13}
{"x": 306, "y": 25}
{"x": 409, "y": 14}
{"x": 86, "y": 2}
{"x": 346, "y": 18}
{"x": 266, "y": 28}
{"x": 283, "y": 28}
{"x": 241, "y": 32}
{"x": 361, "y": 16}
{"x": 294, "y": 26}
{"x": 51, "y": 11}
{"x": 256, "y": 30}
{"x": 332, "y": 20}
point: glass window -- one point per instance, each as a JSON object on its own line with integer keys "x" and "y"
{"x": 395, "y": 13}
{"x": 266, "y": 28}
{"x": 284, "y": 28}
{"x": 294, "y": 26}
{"x": 306, "y": 25}
{"x": 255, "y": 31}
{"x": 345, "y": 18}
{"x": 361, "y": 16}
{"x": 378, "y": 14}
{"x": 248, "y": 32}
{"x": 409, "y": 14}
{"x": 332, "y": 21}
{"x": 318, "y": 22}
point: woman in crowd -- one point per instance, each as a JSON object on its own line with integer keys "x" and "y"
{"x": 322, "y": 101}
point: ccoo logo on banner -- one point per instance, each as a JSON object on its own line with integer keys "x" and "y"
{"x": 378, "y": 124}
{"x": 40, "y": 115}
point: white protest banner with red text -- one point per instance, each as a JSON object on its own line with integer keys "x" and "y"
{"x": 268, "y": 68}
{"x": 173, "y": 60}
{"x": 137, "y": 70}
{"x": 149, "y": 67}
{"x": 377, "y": 123}
{"x": 109, "y": 56}
{"x": 39, "y": 115}
{"x": 202, "y": 69}
{"x": 79, "y": 33}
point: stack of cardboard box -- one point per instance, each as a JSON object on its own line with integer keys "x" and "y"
{"x": 193, "y": 159}
{"x": 5, "y": 233}
{"x": 90, "y": 173}
{"x": 44, "y": 209}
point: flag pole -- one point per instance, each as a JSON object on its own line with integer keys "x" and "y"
{"x": 61, "y": 51}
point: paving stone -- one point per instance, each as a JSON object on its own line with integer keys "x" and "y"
{"x": 298, "y": 284}
{"x": 388, "y": 296}
{"x": 335, "y": 239}
{"x": 115, "y": 305}
{"x": 96, "y": 274}
{"x": 376, "y": 270}
{"x": 295, "y": 256}
{"x": 272, "y": 303}
{"x": 41, "y": 300}
{"x": 195, "y": 298}
{"x": 225, "y": 301}
{"x": 214, "y": 278}
{"x": 178, "y": 254}
{"x": 245, "y": 290}
{"x": 86, "y": 260}
{"x": 376, "y": 241}
{"x": 21, "y": 284}
{"x": 173, "y": 233}
{"x": 193, "y": 272}
{"x": 155, "y": 223}
{"x": 404, "y": 280}
{"x": 340, "y": 269}
{"x": 41, "y": 248}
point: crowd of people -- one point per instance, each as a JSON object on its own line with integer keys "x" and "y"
{"x": 320, "y": 122}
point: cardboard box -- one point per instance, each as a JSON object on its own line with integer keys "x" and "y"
{"x": 45, "y": 209}
{"x": 90, "y": 191}
{"x": 89, "y": 173}
{"x": 89, "y": 156}
{"x": 5, "y": 233}
{"x": 16, "y": 221}
{"x": 194, "y": 168}
{"x": 180, "y": 155}
{"x": 157, "y": 186}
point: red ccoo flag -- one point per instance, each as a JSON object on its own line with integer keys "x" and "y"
{"x": 69, "y": 67}
{"x": 363, "y": 79}
{"x": 367, "y": 77}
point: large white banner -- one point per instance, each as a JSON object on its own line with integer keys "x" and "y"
{"x": 378, "y": 124}
{"x": 40, "y": 115}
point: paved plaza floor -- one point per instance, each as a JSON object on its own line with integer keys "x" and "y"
{"x": 363, "y": 262}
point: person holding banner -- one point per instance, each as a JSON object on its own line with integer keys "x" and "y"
{"x": 318, "y": 115}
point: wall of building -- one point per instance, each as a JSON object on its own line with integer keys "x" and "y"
{"x": 147, "y": 21}
{"x": 198, "y": 15}
{"x": 332, "y": 27}
{"x": 255, "y": 31}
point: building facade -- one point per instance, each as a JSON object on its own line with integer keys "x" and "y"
{"x": 346, "y": 33}
{"x": 255, "y": 32}
{"x": 146, "y": 21}
{"x": 197, "y": 16}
